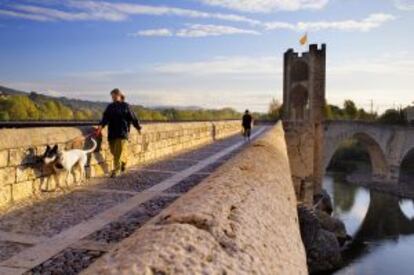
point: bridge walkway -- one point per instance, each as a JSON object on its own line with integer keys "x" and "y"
{"x": 66, "y": 233}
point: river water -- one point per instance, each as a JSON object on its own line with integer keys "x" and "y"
{"x": 382, "y": 227}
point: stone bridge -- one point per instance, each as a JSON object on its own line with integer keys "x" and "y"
{"x": 387, "y": 145}
{"x": 197, "y": 199}
{"x": 312, "y": 141}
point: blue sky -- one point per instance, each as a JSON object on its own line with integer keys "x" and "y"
{"x": 209, "y": 53}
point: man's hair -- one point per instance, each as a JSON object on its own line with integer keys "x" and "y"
{"x": 118, "y": 92}
{"x": 247, "y": 111}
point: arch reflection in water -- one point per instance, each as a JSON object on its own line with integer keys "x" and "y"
{"x": 344, "y": 198}
{"x": 407, "y": 168}
{"x": 383, "y": 240}
{"x": 407, "y": 207}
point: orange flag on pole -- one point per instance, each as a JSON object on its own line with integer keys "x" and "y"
{"x": 304, "y": 39}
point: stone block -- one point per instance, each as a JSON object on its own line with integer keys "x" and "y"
{"x": 4, "y": 158}
{"x": 24, "y": 173}
{"x": 22, "y": 156}
{"x": 137, "y": 148}
{"x": 7, "y": 175}
{"x": 22, "y": 190}
{"x": 5, "y": 194}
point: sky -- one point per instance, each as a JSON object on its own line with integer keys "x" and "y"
{"x": 206, "y": 53}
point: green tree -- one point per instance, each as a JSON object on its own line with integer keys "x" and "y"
{"x": 363, "y": 115}
{"x": 350, "y": 109}
{"x": 328, "y": 112}
{"x": 274, "y": 109}
{"x": 82, "y": 115}
{"x": 393, "y": 116}
{"x": 64, "y": 111}
{"x": 20, "y": 108}
{"x": 49, "y": 110}
{"x": 337, "y": 113}
{"x": 4, "y": 116}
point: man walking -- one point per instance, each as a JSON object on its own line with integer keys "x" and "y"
{"x": 119, "y": 117}
{"x": 247, "y": 125}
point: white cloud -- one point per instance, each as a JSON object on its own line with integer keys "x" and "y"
{"x": 371, "y": 22}
{"x": 198, "y": 30}
{"x": 137, "y": 9}
{"x": 75, "y": 10}
{"x": 154, "y": 32}
{"x": 34, "y": 17}
{"x": 406, "y": 5}
{"x": 397, "y": 64}
{"x": 386, "y": 78}
{"x": 239, "y": 65}
{"x": 49, "y": 14}
{"x": 107, "y": 11}
{"x": 268, "y": 5}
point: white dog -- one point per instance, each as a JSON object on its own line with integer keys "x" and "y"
{"x": 65, "y": 161}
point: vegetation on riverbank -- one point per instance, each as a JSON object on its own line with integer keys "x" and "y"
{"x": 349, "y": 111}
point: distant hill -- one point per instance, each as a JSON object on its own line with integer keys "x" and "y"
{"x": 20, "y": 105}
{"x": 166, "y": 107}
{"x": 41, "y": 98}
{"x": 8, "y": 91}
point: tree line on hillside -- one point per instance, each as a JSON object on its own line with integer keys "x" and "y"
{"x": 38, "y": 107}
{"x": 23, "y": 108}
{"x": 349, "y": 111}
{"x": 34, "y": 106}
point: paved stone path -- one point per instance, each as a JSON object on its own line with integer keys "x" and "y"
{"x": 65, "y": 234}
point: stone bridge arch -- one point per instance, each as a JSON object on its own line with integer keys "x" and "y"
{"x": 379, "y": 163}
{"x": 387, "y": 145}
{"x": 407, "y": 157}
{"x": 407, "y": 144}
{"x": 374, "y": 141}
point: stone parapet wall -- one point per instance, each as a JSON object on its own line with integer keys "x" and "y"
{"x": 240, "y": 220}
{"x": 21, "y": 177}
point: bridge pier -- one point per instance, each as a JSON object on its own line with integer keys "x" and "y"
{"x": 394, "y": 174}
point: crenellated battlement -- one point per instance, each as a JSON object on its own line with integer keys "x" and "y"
{"x": 314, "y": 50}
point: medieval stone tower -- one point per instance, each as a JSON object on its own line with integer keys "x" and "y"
{"x": 303, "y": 115}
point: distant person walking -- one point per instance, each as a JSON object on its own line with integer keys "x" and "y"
{"x": 247, "y": 125}
{"x": 119, "y": 117}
